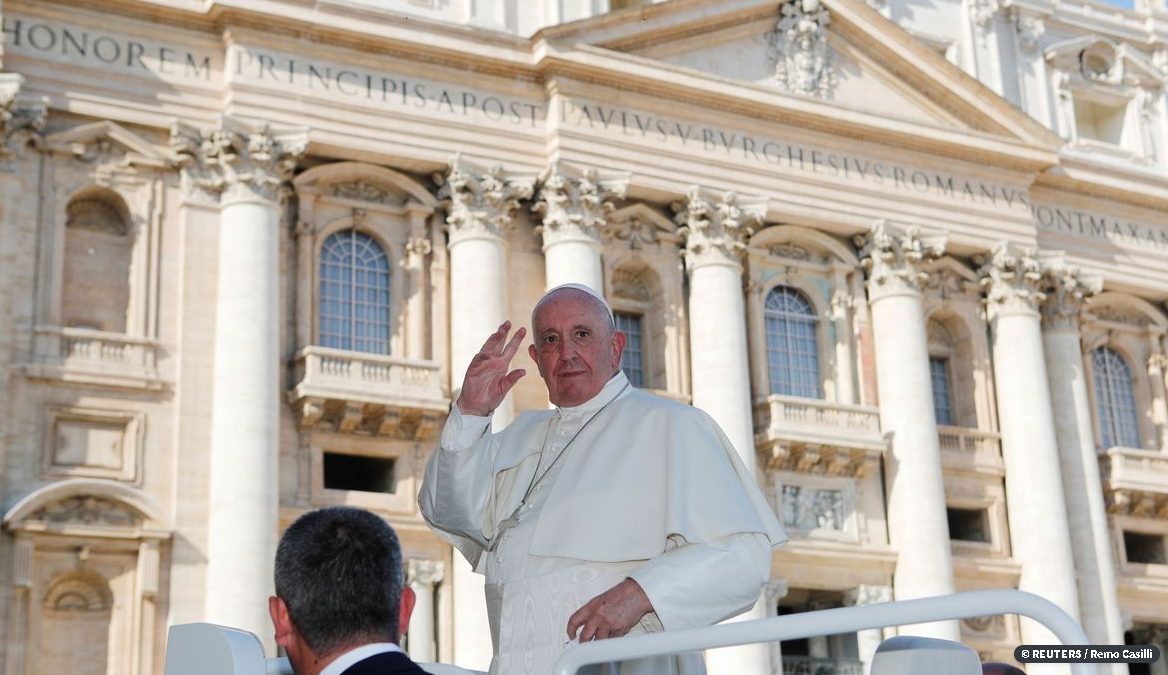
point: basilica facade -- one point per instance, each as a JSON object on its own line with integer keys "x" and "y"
{"x": 911, "y": 256}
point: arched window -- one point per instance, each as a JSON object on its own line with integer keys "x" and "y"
{"x": 1114, "y": 400}
{"x": 354, "y": 293}
{"x": 792, "y": 344}
{"x": 98, "y": 254}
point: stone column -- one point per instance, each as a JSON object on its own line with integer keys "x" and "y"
{"x": 917, "y": 523}
{"x": 243, "y": 172}
{"x": 842, "y": 303}
{"x": 574, "y": 206}
{"x": 418, "y": 247}
{"x": 479, "y": 207}
{"x": 1039, "y": 530}
{"x": 715, "y": 234}
{"x": 1090, "y": 538}
{"x": 868, "y": 640}
{"x": 423, "y": 576}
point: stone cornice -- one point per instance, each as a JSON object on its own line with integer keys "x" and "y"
{"x": 575, "y": 203}
{"x": 894, "y": 258}
{"x": 1066, "y": 289}
{"x": 1012, "y": 279}
{"x": 232, "y": 162}
{"x": 716, "y": 232}
{"x": 480, "y": 203}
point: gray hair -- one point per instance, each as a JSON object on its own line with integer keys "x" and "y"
{"x": 339, "y": 571}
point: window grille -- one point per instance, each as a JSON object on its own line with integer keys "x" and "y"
{"x": 792, "y": 345}
{"x": 354, "y": 293}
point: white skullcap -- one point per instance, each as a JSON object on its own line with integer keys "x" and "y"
{"x": 575, "y": 287}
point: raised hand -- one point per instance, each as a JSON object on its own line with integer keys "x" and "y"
{"x": 610, "y": 614}
{"x": 487, "y": 379}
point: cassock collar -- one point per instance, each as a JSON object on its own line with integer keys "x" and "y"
{"x": 607, "y": 393}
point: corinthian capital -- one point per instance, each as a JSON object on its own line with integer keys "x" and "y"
{"x": 1012, "y": 279}
{"x": 233, "y": 161}
{"x": 480, "y": 203}
{"x": 21, "y": 119}
{"x": 716, "y": 232}
{"x": 894, "y": 258}
{"x": 575, "y": 204}
{"x": 420, "y": 571}
{"x": 1066, "y": 290}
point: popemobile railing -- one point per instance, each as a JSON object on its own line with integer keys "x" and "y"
{"x": 830, "y": 622}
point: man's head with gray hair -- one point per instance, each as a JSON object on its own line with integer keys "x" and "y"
{"x": 575, "y": 343}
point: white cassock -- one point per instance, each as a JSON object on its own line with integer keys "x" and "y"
{"x": 556, "y": 510}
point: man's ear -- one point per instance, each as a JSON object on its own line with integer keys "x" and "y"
{"x": 618, "y": 347}
{"x": 282, "y": 621}
{"x": 531, "y": 352}
{"x": 408, "y": 600}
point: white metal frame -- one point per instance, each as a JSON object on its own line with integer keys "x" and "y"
{"x": 830, "y": 622}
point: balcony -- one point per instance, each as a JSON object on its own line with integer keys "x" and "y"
{"x": 1136, "y": 482}
{"x": 94, "y": 357}
{"x": 814, "y": 436}
{"x": 373, "y": 394}
{"x": 811, "y": 665}
{"x": 966, "y": 449}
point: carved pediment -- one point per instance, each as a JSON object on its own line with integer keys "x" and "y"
{"x": 108, "y": 143}
{"x": 360, "y": 183}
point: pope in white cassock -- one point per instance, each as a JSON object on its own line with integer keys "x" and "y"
{"x": 617, "y": 512}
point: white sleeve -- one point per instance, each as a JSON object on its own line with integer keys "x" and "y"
{"x": 457, "y": 484}
{"x": 700, "y": 584}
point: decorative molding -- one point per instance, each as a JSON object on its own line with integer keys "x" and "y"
{"x": 982, "y": 13}
{"x": 824, "y": 460}
{"x": 894, "y": 258}
{"x": 422, "y": 572}
{"x": 79, "y": 591}
{"x": 798, "y": 46}
{"x": 418, "y": 247}
{"x": 717, "y": 233}
{"x": 1012, "y": 279}
{"x": 1119, "y": 314}
{"x": 628, "y": 284}
{"x": 232, "y": 161}
{"x": 1158, "y": 362}
{"x": 363, "y": 191}
{"x": 575, "y": 203}
{"x": 1066, "y": 289}
{"x": 790, "y": 251}
{"x": 480, "y": 203}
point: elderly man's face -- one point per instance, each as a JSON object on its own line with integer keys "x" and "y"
{"x": 575, "y": 347}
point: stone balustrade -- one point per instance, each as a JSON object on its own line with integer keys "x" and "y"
{"x": 1135, "y": 482}
{"x": 94, "y": 357}
{"x": 963, "y": 448}
{"x": 368, "y": 393}
{"x": 815, "y": 436}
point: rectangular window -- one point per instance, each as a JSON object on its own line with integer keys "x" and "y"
{"x": 358, "y": 472}
{"x": 1099, "y": 121}
{"x": 1144, "y": 548}
{"x": 942, "y": 404}
{"x": 633, "y": 358}
{"x": 968, "y": 525}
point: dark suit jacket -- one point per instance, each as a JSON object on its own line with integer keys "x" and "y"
{"x": 389, "y": 663}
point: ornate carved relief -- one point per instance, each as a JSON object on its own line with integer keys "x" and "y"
{"x": 79, "y": 591}
{"x": 363, "y": 191}
{"x": 893, "y": 259}
{"x": 1029, "y": 29}
{"x": 88, "y": 510}
{"x": 636, "y": 232}
{"x": 1137, "y": 503}
{"x": 630, "y": 285}
{"x": 716, "y": 233}
{"x": 1065, "y": 291}
{"x": 231, "y": 161}
{"x": 982, "y": 12}
{"x": 806, "y": 508}
{"x": 798, "y": 44}
{"x": 576, "y": 207}
{"x": 480, "y": 203}
{"x": 20, "y": 118}
{"x": 424, "y": 572}
{"x": 791, "y": 251}
{"x": 867, "y": 594}
{"x": 1012, "y": 278}
{"x": 823, "y": 460}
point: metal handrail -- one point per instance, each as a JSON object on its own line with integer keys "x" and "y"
{"x": 831, "y": 622}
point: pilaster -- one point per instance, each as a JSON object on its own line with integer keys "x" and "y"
{"x": 423, "y": 576}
